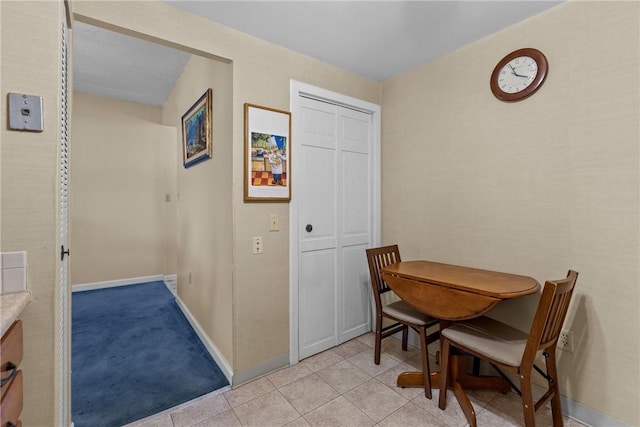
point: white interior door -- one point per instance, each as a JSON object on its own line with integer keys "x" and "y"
{"x": 334, "y": 224}
{"x": 63, "y": 399}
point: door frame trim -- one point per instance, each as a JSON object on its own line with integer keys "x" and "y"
{"x": 298, "y": 89}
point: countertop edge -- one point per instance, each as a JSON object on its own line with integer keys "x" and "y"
{"x": 11, "y": 306}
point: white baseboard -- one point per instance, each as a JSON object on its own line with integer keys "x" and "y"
{"x": 588, "y": 416}
{"x": 113, "y": 283}
{"x": 211, "y": 347}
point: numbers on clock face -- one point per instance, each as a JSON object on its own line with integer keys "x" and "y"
{"x": 518, "y": 74}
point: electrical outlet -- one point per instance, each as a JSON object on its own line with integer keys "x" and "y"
{"x": 257, "y": 245}
{"x": 565, "y": 341}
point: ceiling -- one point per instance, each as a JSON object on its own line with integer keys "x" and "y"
{"x": 375, "y": 39}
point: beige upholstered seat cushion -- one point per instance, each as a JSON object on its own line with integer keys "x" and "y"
{"x": 490, "y": 338}
{"x": 403, "y": 311}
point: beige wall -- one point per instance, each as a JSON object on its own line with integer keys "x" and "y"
{"x": 261, "y": 75}
{"x": 205, "y": 221}
{"x": 261, "y": 283}
{"x": 30, "y": 33}
{"x": 535, "y": 187}
{"x": 123, "y": 166}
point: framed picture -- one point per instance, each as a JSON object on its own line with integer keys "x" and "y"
{"x": 197, "y": 131}
{"x": 267, "y": 154}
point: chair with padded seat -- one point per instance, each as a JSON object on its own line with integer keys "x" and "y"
{"x": 403, "y": 315}
{"x": 513, "y": 351}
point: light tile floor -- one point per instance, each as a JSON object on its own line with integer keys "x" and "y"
{"x": 343, "y": 387}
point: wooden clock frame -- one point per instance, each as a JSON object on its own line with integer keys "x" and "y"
{"x": 543, "y": 69}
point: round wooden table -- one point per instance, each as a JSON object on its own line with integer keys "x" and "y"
{"x": 451, "y": 293}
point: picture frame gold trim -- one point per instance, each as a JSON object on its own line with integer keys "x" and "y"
{"x": 267, "y": 154}
{"x": 197, "y": 131}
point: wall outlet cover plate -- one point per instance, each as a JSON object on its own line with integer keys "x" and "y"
{"x": 25, "y": 112}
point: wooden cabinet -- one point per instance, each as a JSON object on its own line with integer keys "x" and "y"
{"x": 11, "y": 376}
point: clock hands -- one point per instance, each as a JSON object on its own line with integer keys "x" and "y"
{"x": 513, "y": 71}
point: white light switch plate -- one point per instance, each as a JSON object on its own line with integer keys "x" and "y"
{"x": 274, "y": 222}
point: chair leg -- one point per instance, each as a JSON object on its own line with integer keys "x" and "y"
{"x": 552, "y": 371}
{"x": 378, "y": 340}
{"x": 426, "y": 372}
{"x": 528, "y": 407}
{"x": 476, "y": 366}
{"x": 405, "y": 337}
{"x": 445, "y": 359}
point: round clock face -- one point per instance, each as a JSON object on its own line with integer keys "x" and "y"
{"x": 519, "y": 74}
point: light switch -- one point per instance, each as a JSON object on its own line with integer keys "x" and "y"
{"x": 274, "y": 222}
{"x": 25, "y": 112}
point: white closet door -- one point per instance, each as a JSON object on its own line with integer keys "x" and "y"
{"x": 335, "y": 223}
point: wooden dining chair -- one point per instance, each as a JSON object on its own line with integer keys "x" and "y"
{"x": 403, "y": 315}
{"x": 511, "y": 350}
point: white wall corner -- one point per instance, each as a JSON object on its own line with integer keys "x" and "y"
{"x": 260, "y": 370}
{"x": 171, "y": 282}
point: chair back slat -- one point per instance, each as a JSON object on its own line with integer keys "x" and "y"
{"x": 550, "y": 315}
{"x": 378, "y": 258}
{"x": 559, "y": 307}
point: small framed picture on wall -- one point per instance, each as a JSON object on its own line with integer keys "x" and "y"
{"x": 267, "y": 154}
{"x": 197, "y": 131}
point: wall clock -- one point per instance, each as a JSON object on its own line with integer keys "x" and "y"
{"x": 519, "y": 74}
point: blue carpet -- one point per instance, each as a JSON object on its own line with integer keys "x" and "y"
{"x": 134, "y": 354}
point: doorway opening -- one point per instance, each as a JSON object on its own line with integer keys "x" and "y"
{"x": 127, "y": 175}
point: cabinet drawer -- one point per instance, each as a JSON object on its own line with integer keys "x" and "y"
{"x": 11, "y": 347}
{"x": 11, "y": 403}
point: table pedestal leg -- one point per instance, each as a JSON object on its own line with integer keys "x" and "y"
{"x": 460, "y": 381}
